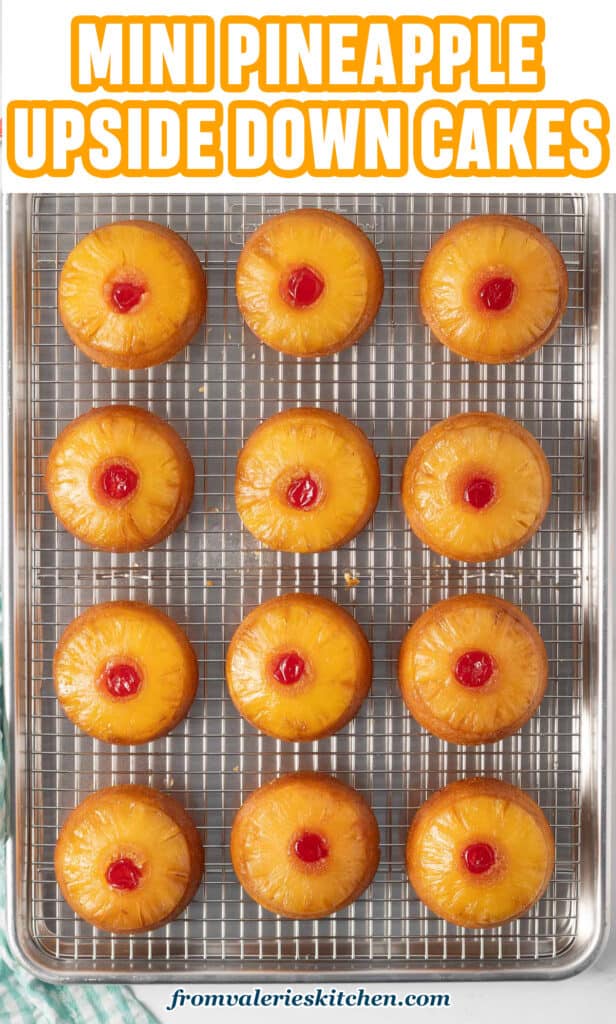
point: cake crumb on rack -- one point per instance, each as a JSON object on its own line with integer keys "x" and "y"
{"x": 209, "y": 583}
{"x": 351, "y": 579}
{"x": 201, "y": 390}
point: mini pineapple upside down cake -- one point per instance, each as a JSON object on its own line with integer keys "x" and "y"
{"x": 298, "y": 667}
{"x": 132, "y": 294}
{"x": 306, "y": 480}
{"x": 128, "y": 859}
{"x": 472, "y": 669}
{"x": 125, "y": 672}
{"x": 305, "y": 845}
{"x": 493, "y": 288}
{"x": 479, "y": 853}
{"x": 119, "y": 478}
{"x": 476, "y": 487}
{"x": 309, "y": 282}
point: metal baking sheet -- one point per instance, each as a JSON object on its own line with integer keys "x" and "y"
{"x": 395, "y": 384}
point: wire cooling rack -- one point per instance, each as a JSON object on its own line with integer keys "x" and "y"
{"x": 395, "y": 384}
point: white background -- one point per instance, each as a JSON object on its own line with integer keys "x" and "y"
{"x": 578, "y": 58}
{"x": 589, "y": 998}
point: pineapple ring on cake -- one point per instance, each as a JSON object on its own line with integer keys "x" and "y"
{"x": 298, "y": 667}
{"x": 128, "y": 859}
{"x": 306, "y": 480}
{"x": 305, "y": 845}
{"x": 476, "y": 487}
{"x": 132, "y": 294}
{"x": 472, "y": 669}
{"x": 480, "y": 852}
{"x": 125, "y": 672}
{"x": 493, "y": 288}
{"x": 309, "y": 282}
{"x": 119, "y": 478}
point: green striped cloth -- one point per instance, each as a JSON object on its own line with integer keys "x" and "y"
{"x": 24, "y": 1000}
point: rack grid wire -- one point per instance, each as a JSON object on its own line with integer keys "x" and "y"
{"x": 395, "y": 384}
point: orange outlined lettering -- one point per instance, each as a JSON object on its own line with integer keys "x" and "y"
{"x": 152, "y": 138}
{"x": 505, "y": 139}
{"x": 318, "y": 136}
{"x": 142, "y": 54}
{"x": 381, "y": 54}
{"x": 321, "y": 139}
